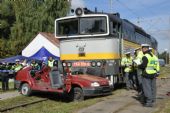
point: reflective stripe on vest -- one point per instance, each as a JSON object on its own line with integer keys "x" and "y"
{"x": 152, "y": 64}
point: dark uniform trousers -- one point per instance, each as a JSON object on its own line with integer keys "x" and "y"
{"x": 149, "y": 89}
{"x": 5, "y": 80}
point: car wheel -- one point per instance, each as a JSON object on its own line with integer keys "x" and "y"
{"x": 76, "y": 94}
{"x": 25, "y": 89}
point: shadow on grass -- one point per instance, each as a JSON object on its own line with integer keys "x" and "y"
{"x": 52, "y": 96}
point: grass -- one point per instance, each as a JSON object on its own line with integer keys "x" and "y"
{"x": 164, "y": 71}
{"x": 164, "y": 107}
{"x": 52, "y": 105}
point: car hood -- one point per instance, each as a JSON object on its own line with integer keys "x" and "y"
{"x": 93, "y": 78}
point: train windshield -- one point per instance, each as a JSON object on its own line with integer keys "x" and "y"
{"x": 67, "y": 27}
{"x": 93, "y": 25}
{"x": 81, "y": 26}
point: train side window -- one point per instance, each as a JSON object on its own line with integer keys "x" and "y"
{"x": 133, "y": 37}
{"x": 114, "y": 28}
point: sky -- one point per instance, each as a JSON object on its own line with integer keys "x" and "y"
{"x": 152, "y": 15}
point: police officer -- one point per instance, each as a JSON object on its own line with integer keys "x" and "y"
{"x": 138, "y": 60}
{"x": 4, "y": 77}
{"x": 35, "y": 65}
{"x": 16, "y": 68}
{"x": 50, "y": 62}
{"x": 126, "y": 62}
{"x": 150, "y": 67}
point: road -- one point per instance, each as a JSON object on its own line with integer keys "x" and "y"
{"x": 127, "y": 102}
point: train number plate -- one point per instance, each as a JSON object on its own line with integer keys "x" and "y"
{"x": 81, "y": 64}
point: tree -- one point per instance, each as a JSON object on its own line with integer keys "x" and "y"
{"x": 7, "y": 18}
{"x": 164, "y": 55}
{"x": 38, "y": 16}
{"x": 30, "y": 17}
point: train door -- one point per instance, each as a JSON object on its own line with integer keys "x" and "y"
{"x": 116, "y": 32}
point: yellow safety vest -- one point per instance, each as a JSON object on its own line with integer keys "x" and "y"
{"x": 139, "y": 57}
{"x": 153, "y": 64}
{"x": 128, "y": 63}
{"x": 17, "y": 67}
{"x": 50, "y": 63}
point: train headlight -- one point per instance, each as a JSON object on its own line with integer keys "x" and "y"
{"x": 64, "y": 64}
{"x": 95, "y": 84}
{"x": 79, "y": 11}
{"x": 93, "y": 64}
{"x": 69, "y": 64}
{"x": 99, "y": 64}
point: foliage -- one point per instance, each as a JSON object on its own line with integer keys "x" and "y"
{"x": 21, "y": 20}
{"x": 164, "y": 55}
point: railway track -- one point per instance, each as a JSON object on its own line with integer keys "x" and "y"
{"x": 126, "y": 106}
{"x": 21, "y": 105}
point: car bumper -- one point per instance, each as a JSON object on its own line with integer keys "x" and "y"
{"x": 96, "y": 91}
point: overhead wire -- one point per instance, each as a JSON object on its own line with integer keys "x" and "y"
{"x": 151, "y": 12}
{"x": 151, "y": 25}
{"x": 130, "y": 10}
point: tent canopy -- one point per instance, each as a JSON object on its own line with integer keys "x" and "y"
{"x": 42, "y": 40}
{"x": 43, "y": 54}
{"x": 12, "y": 59}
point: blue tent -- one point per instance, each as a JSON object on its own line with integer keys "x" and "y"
{"x": 43, "y": 54}
{"x": 12, "y": 59}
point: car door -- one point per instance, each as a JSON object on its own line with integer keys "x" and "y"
{"x": 42, "y": 78}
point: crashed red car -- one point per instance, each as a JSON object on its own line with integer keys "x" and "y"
{"x": 77, "y": 86}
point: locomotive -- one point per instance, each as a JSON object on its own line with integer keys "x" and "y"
{"x": 94, "y": 42}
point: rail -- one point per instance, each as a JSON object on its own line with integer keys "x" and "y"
{"x": 21, "y": 105}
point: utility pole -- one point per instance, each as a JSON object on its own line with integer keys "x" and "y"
{"x": 138, "y": 21}
{"x": 169, "y": 34}
{"x": 111, "y": 7}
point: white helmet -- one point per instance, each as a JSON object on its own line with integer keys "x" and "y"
{"x": 17, "y": 60}
{"x": 145, "y": 45}
{"x": 127, "y": 53}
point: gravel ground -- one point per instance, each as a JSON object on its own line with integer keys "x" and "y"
{"x": 7, "y": 95}
{"x": 127, "y": 102}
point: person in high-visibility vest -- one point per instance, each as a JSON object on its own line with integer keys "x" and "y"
{"x": 126, "y": 62}
{"x": 137, "y": 61}
{"x": 51, "y": 62}
{"x": 34, "y": 68}
{"x": 17, "y": 67}
{"x": 150, "y": 67}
